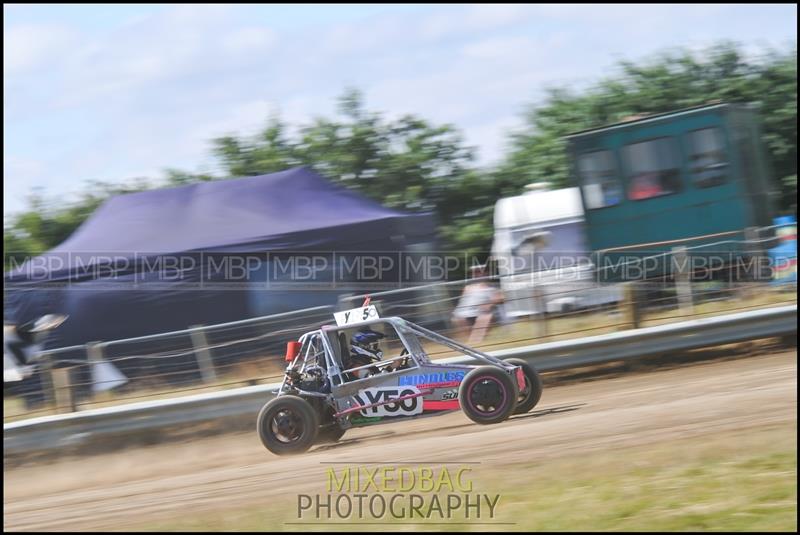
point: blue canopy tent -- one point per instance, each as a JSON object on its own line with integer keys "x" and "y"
{"x": 159, "y": 260}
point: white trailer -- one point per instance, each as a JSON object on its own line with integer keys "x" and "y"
{"x": 542, "y": 255}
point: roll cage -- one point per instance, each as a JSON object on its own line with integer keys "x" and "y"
{"x": 321, "y": 352}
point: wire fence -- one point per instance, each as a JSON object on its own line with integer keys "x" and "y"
{"x": 534, "y": 308}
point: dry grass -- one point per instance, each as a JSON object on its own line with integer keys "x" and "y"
{"x": 725, "y": 482}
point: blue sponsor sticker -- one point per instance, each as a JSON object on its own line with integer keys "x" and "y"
{"x": 432, "y": 378}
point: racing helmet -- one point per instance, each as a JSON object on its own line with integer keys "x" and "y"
{"x": 366, "y": 343}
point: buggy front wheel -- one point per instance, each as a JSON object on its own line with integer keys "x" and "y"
{"x": 287, "y": 425}
{"x": 532, "y": 393}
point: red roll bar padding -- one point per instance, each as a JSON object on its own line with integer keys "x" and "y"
{"x": 292, "y": 350}
{"x": 520, "y": 378}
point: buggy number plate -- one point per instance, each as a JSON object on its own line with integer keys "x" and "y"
{"x": 406, "y": 407}
{"x": 356, "y": 315}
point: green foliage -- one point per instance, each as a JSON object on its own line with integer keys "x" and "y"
{"x": 410, "y": 164}
{"x": 268, "y": 153}
{"x": 406, "y": 163}
{"x": 46, "y": 223}
{"x": 176, "y": 177}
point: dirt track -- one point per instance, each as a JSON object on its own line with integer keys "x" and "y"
{"x": 133, "y": 487}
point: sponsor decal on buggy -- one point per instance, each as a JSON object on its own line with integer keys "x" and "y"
{"x": 448, "y": 402}
{"x": 434, "y": 380}
{"x": 409, "y": 406}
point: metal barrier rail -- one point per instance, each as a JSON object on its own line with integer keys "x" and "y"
{"x": 56, "y": 431}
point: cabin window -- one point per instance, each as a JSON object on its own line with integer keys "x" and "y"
{"x": 707, "y": 157}
{"x": 599, "y": 180}
{"x": 654, "y": 168}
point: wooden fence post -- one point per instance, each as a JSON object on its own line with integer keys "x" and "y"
{"x": 683, "y": 284}
{"x": 62, "y": 389}
{"x": 630, "y": 306}
{"x": 751, "y": 251}
{"x": 46, "y": 377}
{"x": 541, "y": 307}
{"x": 203, "y": 354}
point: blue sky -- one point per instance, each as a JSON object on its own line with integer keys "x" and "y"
{"x": 122, "y": 91}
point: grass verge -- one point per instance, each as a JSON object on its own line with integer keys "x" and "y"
{"x": 744, "y": 481}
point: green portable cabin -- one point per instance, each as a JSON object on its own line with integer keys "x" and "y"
{"x": 697, "y": 178}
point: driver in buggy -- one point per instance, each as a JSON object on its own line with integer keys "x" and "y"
{"x": 365, "y": 350}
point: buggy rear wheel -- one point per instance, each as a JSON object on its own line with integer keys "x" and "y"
{"x": 288, "y": 424}
{"x": 487, "y": 395}
{"x": 532, "y": 393}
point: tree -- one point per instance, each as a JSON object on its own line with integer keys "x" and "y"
{"x": 177, "y": 177}
{"x": 269, "y": 152}
{"x": 671, "y": 80}
{"x": 406, "y": 163}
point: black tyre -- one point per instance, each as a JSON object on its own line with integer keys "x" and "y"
{"x": 287, "y": 425}
{"x": 487, "y": 395}
{"x": 532, "y": 393}
{"x": 329, "y": 434}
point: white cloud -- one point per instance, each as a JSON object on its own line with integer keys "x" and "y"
{"x": 29, "y": 47}
{"x": 475, "y": 18}
{"x": 249, "y": 40}
{"x": 499, "y": 47}
{"x": 154, "y": 51}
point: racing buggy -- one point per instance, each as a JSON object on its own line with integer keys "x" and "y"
{"x": 338, "y": 377}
